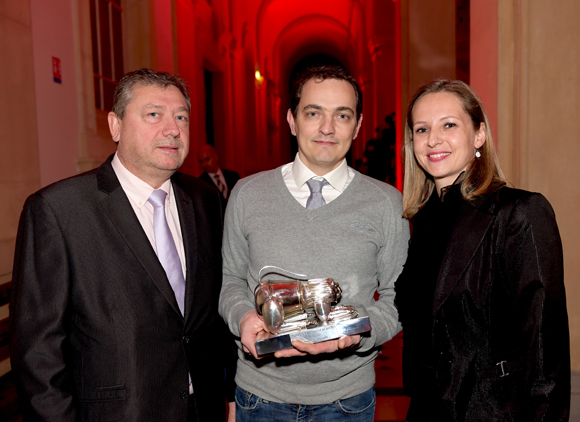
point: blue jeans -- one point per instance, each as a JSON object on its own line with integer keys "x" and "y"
{"x": 251, "y": 408}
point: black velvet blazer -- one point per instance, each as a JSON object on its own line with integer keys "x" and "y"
{"x": 499, "y": 322}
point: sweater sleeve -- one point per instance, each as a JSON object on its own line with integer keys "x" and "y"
{"x": 236, "y": 297}
{"x": 390, "y": 259}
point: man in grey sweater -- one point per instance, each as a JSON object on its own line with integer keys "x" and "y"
{"x": 352, "y": 231}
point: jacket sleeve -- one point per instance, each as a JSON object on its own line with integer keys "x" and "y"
{"x": 534, "y": 266}
{"x": 40, "y": 317}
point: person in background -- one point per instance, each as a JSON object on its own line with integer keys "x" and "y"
{"x": 117, "y": 274}
{"x": 223, "y": 179}
{"x": 319, "y": 217}
{"x": 481, "y": 297}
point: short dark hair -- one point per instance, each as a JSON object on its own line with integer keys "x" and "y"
{"x": 145, "y": 76}
{"x": 321, "y": 73}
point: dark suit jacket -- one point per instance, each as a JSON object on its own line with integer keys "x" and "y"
{"x": 499, "y": 297}
{"x": 96, "y": 332}
{"x": 231, "y": 178}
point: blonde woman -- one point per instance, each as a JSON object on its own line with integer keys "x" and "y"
{"x": 481, "y": 297}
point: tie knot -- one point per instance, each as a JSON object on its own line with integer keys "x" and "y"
{"x": 316, "y": 185}
{"x": 157, "y": 198}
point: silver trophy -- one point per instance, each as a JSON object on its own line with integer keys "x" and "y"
{"x": 302, "y": 309}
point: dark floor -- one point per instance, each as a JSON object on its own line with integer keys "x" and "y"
{"x": 9, "y": 411}
{"x": 391, "y": 403}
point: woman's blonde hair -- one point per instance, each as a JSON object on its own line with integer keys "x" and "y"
{"x": 484, "y": 174}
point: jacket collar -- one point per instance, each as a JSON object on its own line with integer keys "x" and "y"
{"x": 468, "y": 233}
{"x": 117, "y": 207}
{"x": 187, "y": 219}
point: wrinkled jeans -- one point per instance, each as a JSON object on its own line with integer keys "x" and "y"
{"x": 251, "y": 408}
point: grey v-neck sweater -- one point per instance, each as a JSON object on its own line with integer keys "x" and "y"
{"x": 359, "y": 239}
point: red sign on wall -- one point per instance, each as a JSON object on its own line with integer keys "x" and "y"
{"x": 56, "y": 70}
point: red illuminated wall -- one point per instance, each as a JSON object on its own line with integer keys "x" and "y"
{"x": 390, "y": 47}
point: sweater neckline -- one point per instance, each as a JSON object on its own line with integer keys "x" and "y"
{"x": 292, "y": 202}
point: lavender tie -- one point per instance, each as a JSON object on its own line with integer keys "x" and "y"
{"x": 166, "y": 250}
{"x": 315, "y": 200}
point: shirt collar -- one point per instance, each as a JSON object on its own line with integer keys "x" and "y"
{"x": 337, "y": 178}
{"x": 136, "y": 189}
{"x": 454, "y": 187}
{"x": 219, "y": 173}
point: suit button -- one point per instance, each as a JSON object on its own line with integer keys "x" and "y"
{"x": 186, "y": 339}
{"x": 183, "y": 394}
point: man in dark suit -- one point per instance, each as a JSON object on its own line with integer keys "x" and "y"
{"x": 223, "y": 179}
{"x": 108, "y": 323}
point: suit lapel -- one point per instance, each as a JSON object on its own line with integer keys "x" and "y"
{"x": 187, "y": 221}
{"x": 117, "y": 207}
{"x": 206, "y": 178}
{"x": 465, "y": 239}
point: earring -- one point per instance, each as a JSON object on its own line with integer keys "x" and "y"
{"x": 477, "y": 153}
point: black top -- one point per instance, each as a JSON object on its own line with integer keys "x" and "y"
{"x": 432, "y": 227}
{"x": 438, "y": 218}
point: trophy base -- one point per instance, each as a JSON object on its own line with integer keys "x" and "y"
{"x": 313, "y": 335}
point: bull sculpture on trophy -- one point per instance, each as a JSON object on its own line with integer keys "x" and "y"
{"x": 302, "y": 309}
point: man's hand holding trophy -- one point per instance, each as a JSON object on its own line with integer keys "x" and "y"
{"x": 302, "y": 309}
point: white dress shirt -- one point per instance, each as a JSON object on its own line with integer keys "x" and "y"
{"x": 296, "y": 174}
{"x": 138, "y": 193}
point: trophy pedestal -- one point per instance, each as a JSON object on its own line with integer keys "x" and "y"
{"x": 313, "y": 335}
